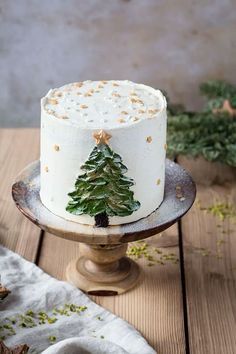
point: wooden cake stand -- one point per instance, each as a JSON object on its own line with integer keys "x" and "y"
{"x": 103, "y": 268}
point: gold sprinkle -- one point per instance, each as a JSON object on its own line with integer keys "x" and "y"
{"x": 52, "y": 101}
{"x": 133, "y": 93}
{"x": 83, "y": 106}
{"x": 104, "y": 81}
{"x": 115, "y": 94}
{"x": 87, "y": 94}
{"x": 63, "y": 117}
{"x": 100, "y": 86}
{"x": 78, "y": 84}
{"x": 121, "y": 120}
{"x": 149, "y": 139}
{"x": 165, "y": 146}
{"x": 124, "y": 112}
{"x": 46, "y": 169}
{"x": 153, "y": 111}
{"x": 158, "y": 181}
{"x": 141, "y": 111}
{"x": 58, "y": 94}
{"x": 135, "y": 119}
{"x": 56, "y": 147}
{"x": 50, "y": 111}
{"x": 136, "y": 100}
{"x": 115, "y": 84}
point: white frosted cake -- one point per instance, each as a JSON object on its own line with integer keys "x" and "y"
{"x": 103, "y": 147}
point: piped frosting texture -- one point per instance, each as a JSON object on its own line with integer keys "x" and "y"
{"x": 103, "y": 104}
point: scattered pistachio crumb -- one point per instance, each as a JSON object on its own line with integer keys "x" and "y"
{"x": 52, "y": 339}
{"x": 152, "y": 254}
{"x": 46, "y": 168}
{"x": 56, "y": 147}
{"x": 99, "y": 318}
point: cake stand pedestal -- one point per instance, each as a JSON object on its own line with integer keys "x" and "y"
{"x": 103, "y": 268}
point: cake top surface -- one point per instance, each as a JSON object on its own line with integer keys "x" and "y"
{"x": 104, "y": 104}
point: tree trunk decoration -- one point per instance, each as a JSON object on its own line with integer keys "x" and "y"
{"x": 103, "y": 190}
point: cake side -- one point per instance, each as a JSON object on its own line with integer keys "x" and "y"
{"x": 66, "y": 146}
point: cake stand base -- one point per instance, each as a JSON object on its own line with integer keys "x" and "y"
{"x": 103, "y": 270}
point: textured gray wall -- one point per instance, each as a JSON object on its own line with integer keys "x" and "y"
{"x": 173, "y": 45}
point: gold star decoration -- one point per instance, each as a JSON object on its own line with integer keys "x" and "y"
{"x": 226, "y": 108}
{"x": 101, "y": 137}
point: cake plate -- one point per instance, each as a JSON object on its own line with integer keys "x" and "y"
{"x": 102, "y": 267}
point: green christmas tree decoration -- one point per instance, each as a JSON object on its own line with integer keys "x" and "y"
{"x": 103, "y": 190}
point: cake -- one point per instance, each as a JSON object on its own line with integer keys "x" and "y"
{"x": 103, "y": 148}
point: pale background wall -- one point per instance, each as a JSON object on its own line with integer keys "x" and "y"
{"x": 172, "y": 45}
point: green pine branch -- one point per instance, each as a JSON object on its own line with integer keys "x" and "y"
{"x": 207, "y": 134}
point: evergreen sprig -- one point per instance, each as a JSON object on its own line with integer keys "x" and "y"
{"x": 211, "y": 134}
{"x": 216, "y": 92}
{"x": 103, "y": 188}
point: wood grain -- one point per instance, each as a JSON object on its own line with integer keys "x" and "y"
{"x": 18, "y": 147}
{"x": 154, "y": 306}
{"x": 211, "y": 277}
{"x": 214, "y": 172}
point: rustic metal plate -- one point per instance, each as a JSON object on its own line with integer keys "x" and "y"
{"x": 176, "y": 203}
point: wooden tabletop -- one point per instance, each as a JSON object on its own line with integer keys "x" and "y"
{"x": 180, "y": 307}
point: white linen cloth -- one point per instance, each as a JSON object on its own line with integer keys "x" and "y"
{"x": 95, "y": 330}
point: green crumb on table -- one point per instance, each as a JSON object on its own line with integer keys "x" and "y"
{"x": 30, "y": 319}
{"x": 99, "y": 318}
{"x": 153, "y": 255}
{"x": 102, "y": 337}
{"x": 220, "y": 209}
{"x": 52, "y": 339}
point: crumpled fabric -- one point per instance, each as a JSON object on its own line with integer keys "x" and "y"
{"x": 94, "y": 330}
